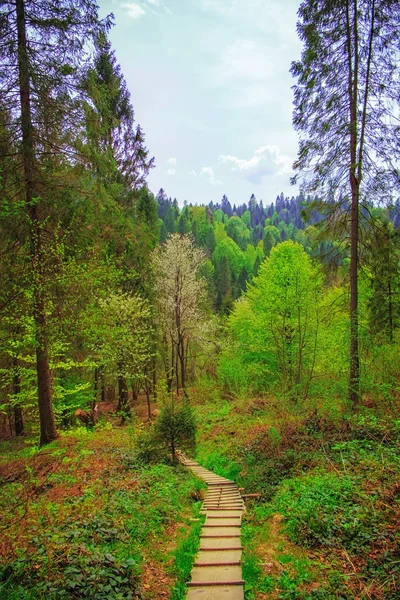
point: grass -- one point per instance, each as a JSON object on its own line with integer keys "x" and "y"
{"x": 184, "y": 559}
{"x": 82, "y": 518}
{"x": 327, "y": 522}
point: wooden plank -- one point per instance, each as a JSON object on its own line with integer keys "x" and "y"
{"x": 220, "y": 574}
{"x": 221, "y": 512}
{"x": 213, "y": 534}
{"x": 218, "y": 557}
{"x": 225, "y": 545}
{"x": 214, "y": 521}
{"x": 221, "y": 529}
{"x": 231, "y": 592}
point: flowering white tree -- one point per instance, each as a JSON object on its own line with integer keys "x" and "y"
{"x": 181, "y": 299}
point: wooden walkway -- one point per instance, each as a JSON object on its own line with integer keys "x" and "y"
{"x": 217, "y": 571}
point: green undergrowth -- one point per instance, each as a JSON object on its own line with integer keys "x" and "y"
{"x": 326, "y": 523}
{"x": 184, "y": 559}
{"x": 83, "y": 518}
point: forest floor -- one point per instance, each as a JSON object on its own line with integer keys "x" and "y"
{"x": 82, "y": 517}
{"x": 326, "y": 523}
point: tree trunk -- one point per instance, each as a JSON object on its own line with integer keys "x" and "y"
{"x": 147, "y": 391}
{"x": 187, "y": 361}
{"x": 154, "y": 380}
{"x": 18, "y": 420}
{"x": 136, "y": 386}
{"x": 181, "y": 353}
{"x": 390, "y": 309}
{"x": 354, "y": 382}
{"x": 177, "y": 369}
{"x": 172, "y": 370}
{"x": 173, "y": 450}
{"x": 96, "y": 386}
{"x": 47, "y": 424}
{"x": 168, "y": 373}
{"x": 103, "y": 386}
{"x": 354, "y": 378}
{"x": 123, "y": 396}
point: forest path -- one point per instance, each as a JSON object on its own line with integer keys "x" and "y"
{"x": 217, "y": 571}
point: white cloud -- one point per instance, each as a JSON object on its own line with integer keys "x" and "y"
{"x": 275, "y": 17}
{"x": 171, "y": 171}
{"x": 266, "y": 160}
{"x": 172, "y": 161}
{"x": 208, "y": 173}
{"x": 142, "y": 7}
{"x": 135, "y": 11}
{"x": 223, "y": 7}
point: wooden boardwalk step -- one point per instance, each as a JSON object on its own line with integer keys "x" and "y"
{"x": 220, "y": 574}
{"x": 229, "y": 526}
{"x": 224, "y": 512}
{"x": 217, "y": 571}
{"x": 214, "y": 519}
{"x": 212, "y": 543}
{"x": 218, "y": 557}
{"x": 213, "y": 534}
{"x": 226, "y": 592}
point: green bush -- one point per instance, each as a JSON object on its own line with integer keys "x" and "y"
{"x": 176, "y": 426}
{"x": 148, "y": 449}
{"x": 78, "y": 571}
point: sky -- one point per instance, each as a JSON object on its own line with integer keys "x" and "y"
{"x": 211, "y": 88}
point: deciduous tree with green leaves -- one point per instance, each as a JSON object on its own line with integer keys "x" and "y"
{"x": 274, "y": 328}
{"x": 125, "y": 341}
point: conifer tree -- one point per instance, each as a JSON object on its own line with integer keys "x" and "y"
{"x": 346, "y": 112}
{"x": 43, "y": 47}
{"x": 110, "y": 119}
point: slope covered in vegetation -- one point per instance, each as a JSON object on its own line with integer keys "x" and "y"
{"x": 325, "y": 521}
{"x": 86, "y": 518}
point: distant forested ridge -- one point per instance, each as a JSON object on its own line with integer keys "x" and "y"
{"x": 237, "y": 238}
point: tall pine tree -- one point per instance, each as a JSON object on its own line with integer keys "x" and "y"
{"x": 346, "y": 112}
{"x": 43, "y": 47}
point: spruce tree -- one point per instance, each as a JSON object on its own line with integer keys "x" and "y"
{"x": 110, "y": 121}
